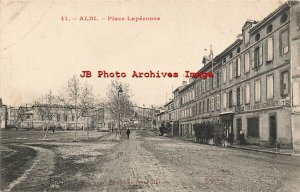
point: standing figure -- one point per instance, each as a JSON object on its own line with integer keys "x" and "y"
{"x": 231, "y": 138}
{"x": 128, "y": 133}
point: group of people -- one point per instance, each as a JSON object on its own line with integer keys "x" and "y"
{"x": 241, "y": 138}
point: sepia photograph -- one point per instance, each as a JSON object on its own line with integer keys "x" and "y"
{"x": 145, "y": 96}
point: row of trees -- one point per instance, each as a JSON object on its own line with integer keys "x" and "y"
{"x": 210, "y": 130}
{"x": 79, "y": 98}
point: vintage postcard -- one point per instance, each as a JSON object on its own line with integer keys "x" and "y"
{"x": 141, "y": 95}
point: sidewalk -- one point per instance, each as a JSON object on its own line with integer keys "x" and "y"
{"x": 256, "y": 148}
{"x": 266, "y": 149}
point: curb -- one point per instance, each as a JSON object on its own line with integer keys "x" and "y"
{"x": 243, "y": 148}
{"x": 263, "y": 151}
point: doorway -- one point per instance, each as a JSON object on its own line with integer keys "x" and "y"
{"x": 273, "y": 129}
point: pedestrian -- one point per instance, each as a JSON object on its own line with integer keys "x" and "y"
{"x": 230, "y": 138}
{"x": 128, "y": 133}
{"x": 242, "y": 138}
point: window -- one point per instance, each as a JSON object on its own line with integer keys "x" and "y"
{"x": 207, "y": 84}
{"x": 283, "y": 18}
{"x": 66, "y": 117}
{"x": 247, "y": 62}
{"x": 219, "y": 74}
{"x": 270, "y": 48}
{"x": 224, "y": 74}
{"x": 238, "y": 67}
{"x": 203, "y": 86}
{"x": 238, "y": 50}
{"x": 238, "y": 96}
{"x": 73, "y": 118}
{"x": 58, "y": 117}
{"x": 284, "y": 42}
{"x": 253, "y": 127}
{"x": 230, "y": 55}
{"x": 230, "y": 71}
{"x": 230, "y": 99}
{"x": 257, "y": 37}
{"x": 269, "y": 28}
{"x": 208, "y": 105}
{"x": 224, "y": 101}
{"x": 200, "y": 107}
{"x": 212, "y": 103}
{"x": 270, "y": 87}
{"x": 257, "y": 90}
{"x": 247, "y": 93}
{"x": 284, "y": 83}
{"x": 218, "y": 102}
{"x": 257, "y": 57}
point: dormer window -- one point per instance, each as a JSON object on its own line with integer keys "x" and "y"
{"x": 238, "y": 50}
{"x": 257, "y": 37}
{"x": 224, "y": 60}
{"x": 230, "y": 55}
{"x": 283, "y": 18}
{"x": 269, "y": 28}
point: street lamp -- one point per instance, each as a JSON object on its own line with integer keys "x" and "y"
{"x": 120, "y": 90}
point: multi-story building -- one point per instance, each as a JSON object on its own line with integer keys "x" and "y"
{"x": 255, "y": 88}
{"x": 3, "y": 115}
{"x": 37, "y": 115}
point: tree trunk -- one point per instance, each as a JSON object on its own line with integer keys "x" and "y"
{"x": 75, "y": 132}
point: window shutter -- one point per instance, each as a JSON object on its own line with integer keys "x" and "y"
{"x": 241, "y": 95}
{"x": 234, "y": 97}
{"x": 260, "y": 54}
{"x": 298, "y": 20}
{"x": 238, "y": 66}
{"x": 234, "y": 69}
{"x": 252, "y": 60}
{"x": 269, "y": 48}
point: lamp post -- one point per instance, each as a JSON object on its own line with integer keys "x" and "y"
{"x": 120, "y": 90}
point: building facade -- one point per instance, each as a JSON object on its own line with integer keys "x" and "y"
{"x": 255, "y": 88}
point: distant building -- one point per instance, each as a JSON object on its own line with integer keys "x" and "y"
{"x": 3, "y": 115}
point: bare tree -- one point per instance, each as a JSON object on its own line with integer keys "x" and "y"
{"x": 78, "y": 98}
{"x": 47, "y": 107}
{"x": 119, "y": 102}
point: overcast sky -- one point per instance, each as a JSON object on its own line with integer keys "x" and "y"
{"x": 40, "y": 52}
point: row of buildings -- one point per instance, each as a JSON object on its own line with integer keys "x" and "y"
{"x": 36, "y": 116}
{"x": 255, "y": 88}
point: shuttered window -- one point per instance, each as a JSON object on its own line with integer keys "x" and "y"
{"x": 212, "y": 103}
{"x": 257, "y": 90}
{"x": 218, "y": 102}
{"x": 270, "y": 48}
{"x": 296, "y": 94}
{"x": 224, "y": 74}
{"x": 224, "y": 100}
{"x": 238, "y": 67}
{"x": 270, "y": 87}
{"x": 230, "y": 71}
{"x": 247, "y": 62}
{"x": 247, "y": 93}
